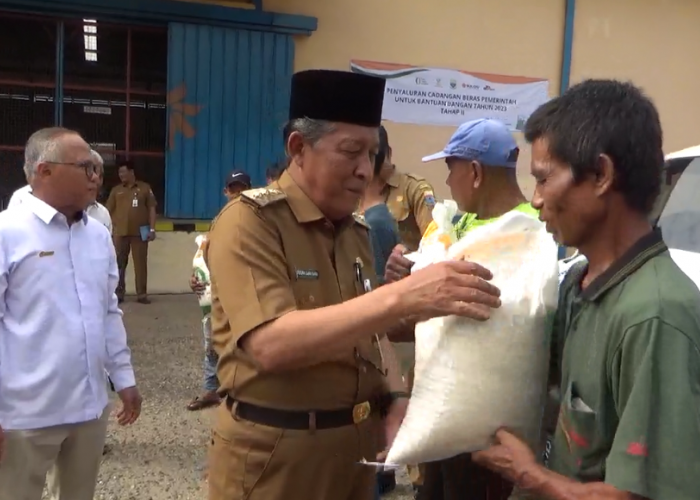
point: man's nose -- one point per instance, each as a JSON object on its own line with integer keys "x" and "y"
{"x": 537, "y": 201}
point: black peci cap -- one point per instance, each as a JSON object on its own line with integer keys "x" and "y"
{"x": 337, "y": 96}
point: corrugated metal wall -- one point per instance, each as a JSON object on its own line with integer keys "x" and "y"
{"x": 228, "y": 100}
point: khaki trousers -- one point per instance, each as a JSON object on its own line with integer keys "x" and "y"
{"x": 249, "y": 461}
{"x": 134, "y": 245}
{"x": 66, "y": 458}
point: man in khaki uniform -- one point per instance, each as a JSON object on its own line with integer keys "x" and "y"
{"x": 410, "y": 199}
{"x": 308, "y": 377}
{"x": 132, "y": 207}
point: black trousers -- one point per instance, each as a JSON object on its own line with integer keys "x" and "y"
{"x": 459, "y": 478}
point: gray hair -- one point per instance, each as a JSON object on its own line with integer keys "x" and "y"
{"x": 97, "y": 157}
{"x": 42, "y": 146}
{"x": 311, "y": 130}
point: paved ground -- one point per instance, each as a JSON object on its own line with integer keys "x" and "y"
{"x": 162, "y": 456}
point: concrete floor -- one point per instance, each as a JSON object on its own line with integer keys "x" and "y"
{"x": 162, "y": 456}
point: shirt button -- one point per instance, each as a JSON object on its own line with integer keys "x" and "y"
{"x": 364, "y": 369}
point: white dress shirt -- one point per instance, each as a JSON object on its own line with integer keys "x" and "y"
{"x": 19, "y": 195}
{"x": 61, "y": 331}
{"x": 100, "y": 213}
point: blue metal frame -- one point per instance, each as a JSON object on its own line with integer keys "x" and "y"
{"x": 58, "y": 95}
{"x": 568, "y": 46}
{"x": 567, "y": 51}
{"x": 163, "y": 11}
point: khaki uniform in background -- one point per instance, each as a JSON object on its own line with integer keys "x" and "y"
{"x": 129, "y": 208}
{"x": 411, "y": 200}
{"x": 272, "y": 252}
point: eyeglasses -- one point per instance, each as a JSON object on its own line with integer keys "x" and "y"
{"x": 88, "y": 165}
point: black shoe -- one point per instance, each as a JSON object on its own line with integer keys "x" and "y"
{"x": 143, "y": 300}
{"x": 120, "y": 299}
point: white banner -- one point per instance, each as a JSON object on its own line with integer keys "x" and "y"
{"x": 436, "y": 96}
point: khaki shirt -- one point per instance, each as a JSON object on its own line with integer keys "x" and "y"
{"x": 272, "y": 252}
{"x": 129, "y": 207}
{"x": 410, "y": 199}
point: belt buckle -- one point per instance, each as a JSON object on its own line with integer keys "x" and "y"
{"x": 360, "y": 412}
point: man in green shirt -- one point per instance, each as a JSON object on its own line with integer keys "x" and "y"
{"x": 626, "y": 340}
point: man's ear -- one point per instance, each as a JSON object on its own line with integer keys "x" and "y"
{"x": 604, "y": 174}
{"x": 478, "y": 170}
{"x": 295, "y": 147}
{"x": 42, "y": 170}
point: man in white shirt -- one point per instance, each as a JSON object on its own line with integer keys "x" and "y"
{"x": 19, "y": 195}
{"x": 61, "y": 330}
{"x": 95, "y": 209}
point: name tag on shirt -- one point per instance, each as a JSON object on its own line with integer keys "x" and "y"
{"x": 307, "y": 274}
{"x": 135, "y": 203}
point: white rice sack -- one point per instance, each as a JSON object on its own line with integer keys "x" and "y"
{"x": 201, "y": 272}
{"x": 471, "y": 378}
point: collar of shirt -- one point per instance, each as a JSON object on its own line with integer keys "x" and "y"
{"x": 46, "y": 212}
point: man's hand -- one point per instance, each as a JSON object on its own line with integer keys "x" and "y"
{"x": 196, "y": 285}
{"x": 397, "y": 266}
{"x": 446, "y": 288}
{"x": 151, "y": 235}
{"x": 510, "y": 457}
{"x": 131, "y": 406}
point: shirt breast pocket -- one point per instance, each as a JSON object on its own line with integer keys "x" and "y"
{"x": 578, "y": 424}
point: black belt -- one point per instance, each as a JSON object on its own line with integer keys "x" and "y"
{"x": 301, "y": 420}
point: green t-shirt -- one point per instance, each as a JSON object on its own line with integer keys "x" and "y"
{"x": 470, "y": 221}
{"x": 627, "y": 352}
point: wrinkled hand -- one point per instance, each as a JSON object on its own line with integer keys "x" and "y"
{"x": 131, "y": 406}
{"x": 392, "y": 422}
{"x": 509, "y": 456}
{"x": 397, "y": 266}
{"x": 446, "y": 288}
{"x": 196, "y": 285}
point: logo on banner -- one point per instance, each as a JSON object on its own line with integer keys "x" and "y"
{"x": 453, "y": 84}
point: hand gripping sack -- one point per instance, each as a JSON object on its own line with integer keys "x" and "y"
{"x": 471, "y": 378}
{"x": 201, "y": 272}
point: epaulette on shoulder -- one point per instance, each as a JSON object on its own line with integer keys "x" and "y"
{"x": 360, "y": 219}
{"x": 263, "y": 196}
{"x": 415, "y": 177}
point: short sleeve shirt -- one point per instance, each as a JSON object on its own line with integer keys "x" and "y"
{"x": 628, "y": 356}
{"x": 272, "y": 252}
{"x": 129, "y": 208}
{"x": 411, "y": 200}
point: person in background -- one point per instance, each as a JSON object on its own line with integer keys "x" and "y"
{"x": 132, "y": 207}
{"x": 235, "y": 183}
{"x": 626, "y": 336}
{"x": 383, "y": 237}
{"x": 61, "y": 328}
{"x": 19, "y": 195}
{"x": 410, "y": 198}
{"x": 95, "y": 209}
{"x": 481, "y": 158}
{"x": 275, "y": 170}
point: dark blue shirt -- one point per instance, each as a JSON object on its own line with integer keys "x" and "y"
{"x": 383, "y": 236}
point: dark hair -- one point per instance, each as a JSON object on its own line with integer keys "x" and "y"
{"x": 275, "y": 170}
{"x": 605, "y": 117}
{"x": 382, "y": 151}
{"x": 123, "y": 162}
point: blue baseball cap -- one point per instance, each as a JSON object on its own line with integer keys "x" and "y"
{"x": 486, "y": 141}
{"x": 238, "y": 177}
